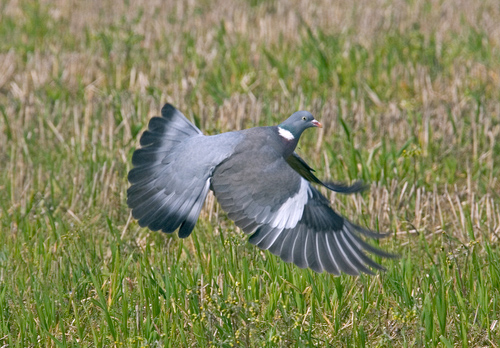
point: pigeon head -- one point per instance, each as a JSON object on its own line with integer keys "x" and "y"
{"x": 293, "y": 127}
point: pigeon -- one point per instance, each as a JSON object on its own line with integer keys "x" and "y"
{"x": 259, "y": 181}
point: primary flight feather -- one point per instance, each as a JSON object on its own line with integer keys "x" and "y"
{"x": 258, "y": 179}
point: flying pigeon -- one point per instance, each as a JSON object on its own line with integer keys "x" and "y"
{"x": 258, "y": 179}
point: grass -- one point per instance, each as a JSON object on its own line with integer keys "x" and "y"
{"x": 408, "y": 95}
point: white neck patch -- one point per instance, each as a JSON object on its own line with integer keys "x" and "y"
{"x": 285, "y": 134}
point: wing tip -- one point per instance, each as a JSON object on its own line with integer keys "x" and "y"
{"x": 186, "y": 229}
{"x": 357, "y": 187}
{"x": 167, "y": 110}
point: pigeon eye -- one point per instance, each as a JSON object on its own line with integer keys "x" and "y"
{"x": 304, "y": 118}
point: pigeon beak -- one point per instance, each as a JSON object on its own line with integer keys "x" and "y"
{"x": 316, "y": 124}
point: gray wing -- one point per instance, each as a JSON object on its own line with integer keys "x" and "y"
{"x": 171, "y": 175}
{"x": 289, "y": 217}
{"x": 301, "y": 167}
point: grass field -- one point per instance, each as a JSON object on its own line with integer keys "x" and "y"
{"x": 408, "y": 92}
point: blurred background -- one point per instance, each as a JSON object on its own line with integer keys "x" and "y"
{"x": 408, "y": 93}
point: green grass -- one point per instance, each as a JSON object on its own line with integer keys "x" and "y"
{"x": 408, "y": 95}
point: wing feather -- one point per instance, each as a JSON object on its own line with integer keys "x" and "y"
{"x": 299, "y": 250}
{"x": 327, "y": 260}
{"x": 344, "y": 262}
{"x": 171, "y": 175}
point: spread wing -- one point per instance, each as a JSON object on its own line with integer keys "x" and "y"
{"x": 159, "y": 196}
{"x": 286, "y": 215}
{"x": 171, "y": 175}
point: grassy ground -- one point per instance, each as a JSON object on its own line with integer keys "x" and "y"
{"x": 409, "y": 95}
